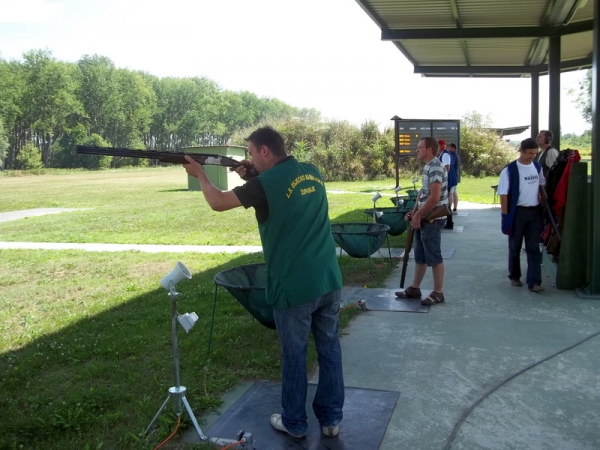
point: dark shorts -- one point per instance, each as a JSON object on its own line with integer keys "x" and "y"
{"x": 428, "y": 243}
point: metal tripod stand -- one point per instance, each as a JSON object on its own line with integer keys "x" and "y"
{"x": 177, "y": 392}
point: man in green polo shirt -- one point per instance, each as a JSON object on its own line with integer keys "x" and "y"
{"x": 303, "y": 277}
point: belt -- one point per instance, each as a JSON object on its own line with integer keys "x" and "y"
{"x": 528, "y": 207}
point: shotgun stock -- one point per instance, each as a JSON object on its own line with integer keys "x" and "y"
{"x": 436, "y": 213}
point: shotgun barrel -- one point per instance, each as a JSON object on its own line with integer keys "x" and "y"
{"x": 164, "y": 157}
{"x": 407, "y": 248}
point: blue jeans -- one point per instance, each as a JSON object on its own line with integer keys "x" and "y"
{"x": 528, "y": 224}
{"x": 293, "y": 326}
{"x": 428, "y": 243}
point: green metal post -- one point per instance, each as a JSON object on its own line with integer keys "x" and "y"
{"x": 554, "y": 84}
{"x": 535, "y": 104}
{"x": 593, "y": 287}
{"x": 571, "y": 272}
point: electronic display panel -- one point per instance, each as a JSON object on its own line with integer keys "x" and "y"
{"x": 448, "y": 131}
{"x": 409, "y": 135}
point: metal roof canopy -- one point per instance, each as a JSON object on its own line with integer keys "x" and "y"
{"x": 509, "y": 130}
{"x": 505, "y": 38}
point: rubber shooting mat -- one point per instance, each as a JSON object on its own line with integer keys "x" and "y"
{"x": 380, "y": 299}
{"x": 456, "y": 229}
{"x": 447, "y": 253}
{"x": 366, "y": 416}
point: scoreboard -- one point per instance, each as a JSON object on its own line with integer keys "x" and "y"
{"x": 410, "y": 132}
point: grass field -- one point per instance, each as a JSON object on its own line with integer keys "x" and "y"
{"x": 85, "y": 341}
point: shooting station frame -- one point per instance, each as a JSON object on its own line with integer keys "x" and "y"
{"x": 408, "y": 133}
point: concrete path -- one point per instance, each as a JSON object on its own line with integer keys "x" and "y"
{"x": 447, "y": 360}
{"x": 24, "y": 213}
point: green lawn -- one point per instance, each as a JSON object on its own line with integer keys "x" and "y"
{"x": 85, "y": 341}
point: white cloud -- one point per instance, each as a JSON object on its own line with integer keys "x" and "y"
{"x": 28, "y": 11}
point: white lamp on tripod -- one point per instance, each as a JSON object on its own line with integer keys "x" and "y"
{"x": 187, "y": 321}
{"x": 376, "y": 213}
{"x": 396, "y": 190}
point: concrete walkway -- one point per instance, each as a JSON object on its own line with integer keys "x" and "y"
{"x": 447, "y": 360}
{"x": 478, "y": 350}
{"x": 24, "y": 213}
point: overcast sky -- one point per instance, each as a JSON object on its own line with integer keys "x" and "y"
{"x": 322, "y": 54}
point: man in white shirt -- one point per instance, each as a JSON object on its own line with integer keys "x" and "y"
{"x": 522, "y": 216}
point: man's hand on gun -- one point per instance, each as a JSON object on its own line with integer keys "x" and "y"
{"x": 414, "y": 217}
{"x": 246, "y": 170}
{"x": 192, "y": 167}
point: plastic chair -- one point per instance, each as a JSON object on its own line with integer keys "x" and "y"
{"x": 247, "y": 285}
{"x": 360, "y": 240}
{"x": 392, "y": 217}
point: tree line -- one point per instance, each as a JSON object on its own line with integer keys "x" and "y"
{"x": 48, "y": 107}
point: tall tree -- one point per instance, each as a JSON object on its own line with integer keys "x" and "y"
{"x": 135, "y": 107}
{"x": 12, "y": 86}
{"x": 584, "y": 97}
{"x": 3, "y": 145}
{"x": 98, "y": 92}
{"x": 49, "y": 102}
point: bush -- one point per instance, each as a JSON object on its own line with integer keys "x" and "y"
{"x": 344, "y": 152}
{"x": 482, "y": 151}
{"x": 29, "y": 157}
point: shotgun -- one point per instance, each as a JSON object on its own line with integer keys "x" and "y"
{"x": 167, "y": 157}
{"x": 435, "y": 213}
{"x": 407, "y": 247}
{"x": 544, "y": 201}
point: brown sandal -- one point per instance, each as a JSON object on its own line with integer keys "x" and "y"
{"x": 433, "y": 298}
{"x": 409, "y": 292}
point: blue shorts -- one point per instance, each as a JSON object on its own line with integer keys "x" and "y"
{"x": 428, "y": 243}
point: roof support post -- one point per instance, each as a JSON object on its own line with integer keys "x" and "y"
{"x": 397, "y": 147}
{"x": 535, "y": 104}
{"x": 593, "y": 288}
{"x": 554, "y": 83}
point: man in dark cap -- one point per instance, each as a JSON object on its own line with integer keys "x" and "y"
{"x": 522, "y": 216}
